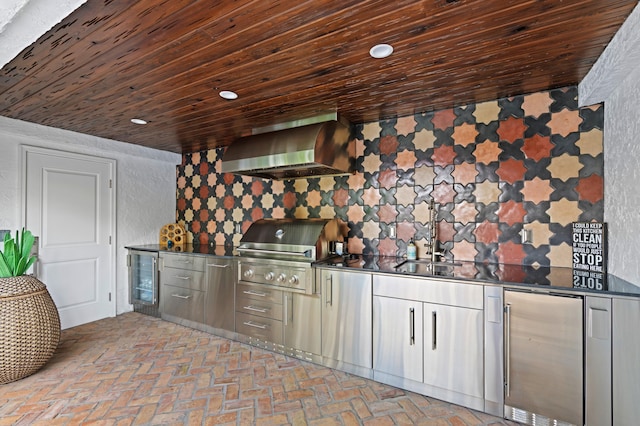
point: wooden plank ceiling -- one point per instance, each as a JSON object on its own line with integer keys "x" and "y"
{"x": 167, "y": 60}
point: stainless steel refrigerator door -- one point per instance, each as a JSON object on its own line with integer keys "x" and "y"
{"x": 543, "y": 357}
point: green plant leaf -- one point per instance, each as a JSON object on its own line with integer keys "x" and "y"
{"x": 10, "y": 255}
{"x": 4, "y": 268}
{"x": 16, "y": 258}
{"x": 26, "y": 243}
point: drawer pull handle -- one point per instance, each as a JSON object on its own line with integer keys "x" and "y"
{"x": 218, "y": 266}
{"x": 253, "y": 324}
{"x": 179, "y": 296}
{"x": 255, "y": 293}
{"x": 182, "y": 278}
{"x": 253, "y": 308}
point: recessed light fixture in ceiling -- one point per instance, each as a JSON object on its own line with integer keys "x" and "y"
{"x": 138, "y": 121}
{"x": 228, "y": 94}
{"x": 380, "y": 51}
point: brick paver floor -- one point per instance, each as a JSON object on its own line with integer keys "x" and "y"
{"x": 138, "y": 370}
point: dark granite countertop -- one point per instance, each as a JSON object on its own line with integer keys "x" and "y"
{"x": 218, "y": 251}
{"x": 490, "y": 273}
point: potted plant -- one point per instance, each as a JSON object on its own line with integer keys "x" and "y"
{"x": 29, "y": 320}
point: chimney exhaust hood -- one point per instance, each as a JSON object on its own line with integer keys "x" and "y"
{"x": 315, "y": 149}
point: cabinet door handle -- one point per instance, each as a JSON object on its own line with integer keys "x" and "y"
{"x": 434, "y": 328}
{"x": 253, "y": 308}
{"x": 179, "y": 296}
{"x": 253, "y": 324}
{"x": 329, "y": 290}
{"x": 507, "y": 349}
{"x": 217, "y": 266}
{"x": 182, "y": 278}
{"x": 254, "y": 293}
{"x": 286, "y": 310}
{"x": 412, "y": 326}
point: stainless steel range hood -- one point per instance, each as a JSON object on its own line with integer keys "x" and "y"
{"x": 316, "y": 149}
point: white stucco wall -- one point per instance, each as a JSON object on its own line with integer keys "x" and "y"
{"x": 615, "y": 80}
{"x": 145, "y": 185}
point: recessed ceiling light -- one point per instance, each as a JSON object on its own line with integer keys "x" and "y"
{"x": 228, "y": 94}
{"x": 138, "y": 121}
{"x": 380, "y": 51}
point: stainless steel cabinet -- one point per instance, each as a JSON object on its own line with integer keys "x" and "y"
{"x": 182, "y": 278}
{"x": 626, "y": 372}
{"x": 347, "y": 320}
{"x": 398, "y": 338}
{"x": 301, "y": 316}
{"x": 221, "y": 276}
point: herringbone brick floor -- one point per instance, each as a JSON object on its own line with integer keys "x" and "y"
{"x": 139, "y": 370}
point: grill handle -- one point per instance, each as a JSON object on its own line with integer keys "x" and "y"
{"x": 305, "y": 254}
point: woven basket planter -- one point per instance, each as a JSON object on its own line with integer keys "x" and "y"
{"x": 29, "y": 327}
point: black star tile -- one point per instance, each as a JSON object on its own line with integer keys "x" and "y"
{"x": 301, "y": 198}
{"x": 357, "y": 131}
{"x": 443, "y": 137}
{"x": 487, "y": 212}
{"x": 372, "y": 147}
{"x": 387, "y": 196}
{"x": 385, "y": 229}
{"x": 289, "y": 185}
{"x": 591, "y": 211}
{"x": 388, "y": 127}
{"x": 536, "y": 212}
{"x": 464, "y": 115}
{"x": 564, "y": 98}
{"x": 561, "y": 234}
{"x": 539, "y": 255}
{"x": 564, "y": 189}
{"x": 341, "y": 212}
{"x": 355, "y": 229}
{"x": 511, "y": 150}
{"x": 423, "y": 121}
{"x": 443, "y": 174}
{"x": 357, "y": 163}
{"x": 487, "y": 172}
{"x": 370, "y": 213}
{"x": 510, "y": 233}
{"x": 313, "y": 184}
{"x": 406, "y": 142}
{"x": 371, "y": 180}
{"x": 464, "y": 232}
{"x": 464, "y": 192}
{"x": 423, "y": 232}
{"x": 565, "y": 144}
{"x": 537, "y": 169}
{"x": 314, "y": 212}
{"x": 591, "y": 165}
{"x": 278, "y": 200}
{"x": 424, "y": 158}
{"x": 510, "y": 192}
{"x": 445, "y": 212}
{"x": 405, "y": 177}
{"x": 486, "y": 252}
{"x": 341, "y": 182}
{"x": 355, "y": 197}
{"x": 488, "y": 131}
{"x": 464, "y": 154}
{"x": 388, "y": 161}
{"x": 537, "y": 125}
{"x": 370, "y": 246}
{"x": 511, "y": 107}
{"x": 592, "y": 119}
{"x": 423, "y": 193}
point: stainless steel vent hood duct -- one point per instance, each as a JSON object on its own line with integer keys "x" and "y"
{"x": 316, "y": 149}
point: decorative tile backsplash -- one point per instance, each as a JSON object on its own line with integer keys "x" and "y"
{"x": 532, "y": 162}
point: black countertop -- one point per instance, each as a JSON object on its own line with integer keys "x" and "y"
{"x": 485, "y": 273}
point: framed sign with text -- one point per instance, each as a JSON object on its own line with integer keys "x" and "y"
{"x": 589, "y": 255}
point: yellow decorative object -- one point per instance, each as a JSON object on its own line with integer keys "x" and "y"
{"x": 172, "y": 234}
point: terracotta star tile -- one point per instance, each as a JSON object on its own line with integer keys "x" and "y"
{"x": 219, "y": 239}
{"x": 537, "y": 147}
{"x": 220, "y": 214}
{"x": 565, "y": 167}
{"x": 424, "y": 139}
{"x": 465, "y": 173}
{"x": 355, "y": 245}
{"x": 446, "y": 231}
{"x": 443, "y": 119}
{"x": 443, "y": 193}
{"x": 257, "y": 213}
{"x": 511, "y": 129}
{"x": 371, "y": 196}
{"x": 487, "y": 232}
{"x": 237, "y": 189}
{"x": 181, "y": 204}
{"x": 188, "y": 215}
{"x": 301, "y": 212}
{"x": 487, "y": 192}
{"x": 289, "y": 200}
{"x": 487, "y": 152}
{"x": 422, "y": 213}
{"x": 359, "y": 147}
{"x": 387, "y": 213}
{"x": 443, "y": 155}
{"x": 247, "y": 201}
{"x": 424, "y": 175}
{"x": 370, "y": 230}
{"x": 388, "y": 178}
{"x": 326, "y": 183}
{"x": 564, "y": 122}
{"x": 510, "y": 253}
{"x": 212, "y": 203}
{"x": 388, "y": 145}
{"x": 212, "y": 178}
{"x": 278, "y": 213}
{"x": 564, "y": 212}
{"x": 327, "y": 212}
{"x": 464, "y": 250}
{"x": 487, "y": 112}
{"x": 356, "y": 181}
{"x": 540, "y": 233}
{"x": 196, "y": 181}
{"x": 406, "y": 160}
{"x": 560, "y": 255}
{"x": 300, "y": 185}
{"x": 203, "y": 169}
{"x": 590, "y": 143}
{"x": 536, "y": 104}
{"x": 211, "y": 226}
{"x": 511, "y": 170}
{"x": 405, "y": 231}
{"x": 465, "y": 212}
{"x": 212, "y": 156}
{"x": 196, "y": 204}
{"x": 314, "y": 199}
{"x": 355, "y": 213}
{"x": 371, "y": 163}
{"x": 465, "y": 134}
{"x": 195, "y": 226}
{"x": 405, "y": 195}
{"x": 591, "y": 188}
{"x": 387, "y": 247}
{"x": 371, "y": 131}
{"x": 196, "y": 158}
{"x": 406, "y": 125}
{"x": 340, "y": 197}
{"x": 511, "y": 213}
{"x": 536, "y": 190}
{"x": 188, "y": 170}
{"x": 267, "y": 201}
{"x": 236, "y": 215}
{"x": 277, "y": 186}
{"x": 188, "y": 193}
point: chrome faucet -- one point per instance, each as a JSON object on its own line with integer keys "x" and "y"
{"x": 432, "y": 245}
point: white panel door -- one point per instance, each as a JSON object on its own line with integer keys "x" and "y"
{"x": 69, "y": 205}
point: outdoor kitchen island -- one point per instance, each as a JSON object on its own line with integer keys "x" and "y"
{"x": 360, "y": 294}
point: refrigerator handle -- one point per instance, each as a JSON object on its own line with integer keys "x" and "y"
{"x": 507, "y": 349}
{"x": 412, "y": 327}
{"x": 434, "y": 329}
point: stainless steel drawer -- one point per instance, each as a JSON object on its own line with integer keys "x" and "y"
{"x": 184, "y": 261}
{"x": 259, "y": 327}
{"x": 258, "y": 292}
{"x": 183, "y": 278}
{"x": 183, "y": 303}
{"x": 261, "y": 308}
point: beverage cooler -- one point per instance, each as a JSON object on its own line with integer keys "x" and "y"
{"x": 143, "y": 282}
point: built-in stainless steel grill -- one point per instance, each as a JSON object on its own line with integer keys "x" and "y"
{"x": 280, "y": 251}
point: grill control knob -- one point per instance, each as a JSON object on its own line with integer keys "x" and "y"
{"x": 294, "y": 280}
{"x": 281, "y": 278}
{"x": 248, "y": 273}
{"x": 269, "y": 276}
